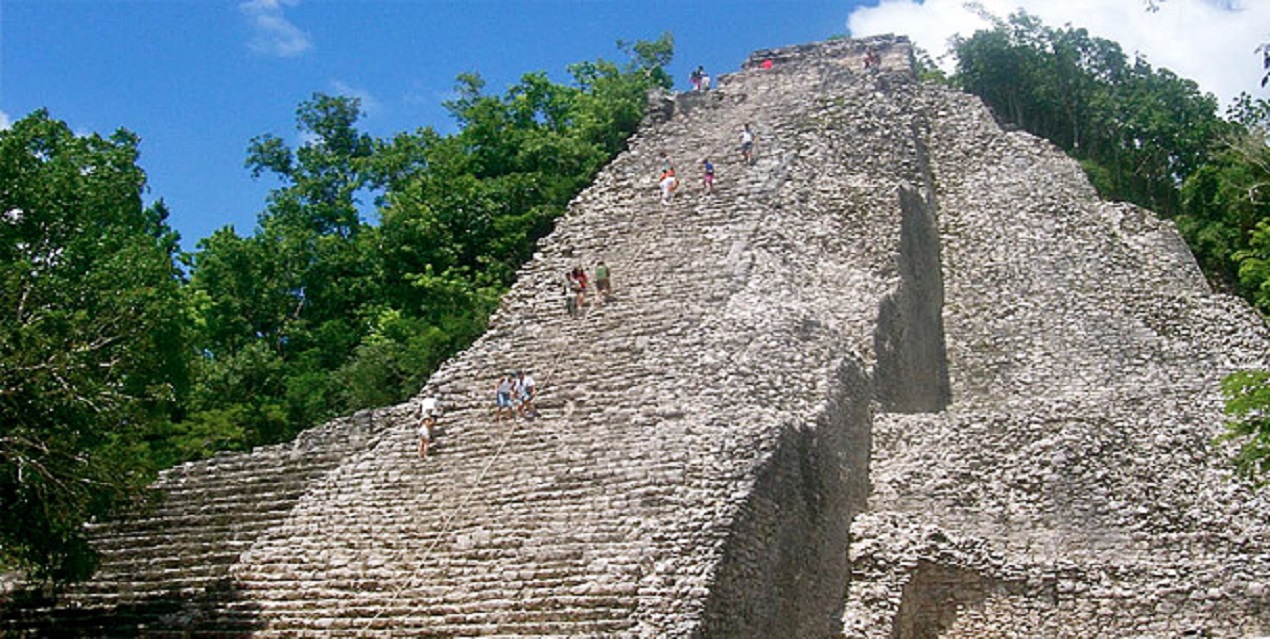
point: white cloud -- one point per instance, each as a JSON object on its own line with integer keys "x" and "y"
{"x": 1210, "y": 41}
{"x": 273, "y": 33}
{"x": 308, "y": 138}
{"x": 5, "y": 123}
{"x": 370, "y": 105}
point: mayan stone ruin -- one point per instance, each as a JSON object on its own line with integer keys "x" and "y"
{"x": 904, "y": 376}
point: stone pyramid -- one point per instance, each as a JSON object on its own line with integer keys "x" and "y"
{"x": 902, "y": 375}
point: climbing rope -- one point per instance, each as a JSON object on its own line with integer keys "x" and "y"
{"x": 466, "y": 497}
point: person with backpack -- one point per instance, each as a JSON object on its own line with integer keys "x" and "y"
{"x": 707, "y": 177}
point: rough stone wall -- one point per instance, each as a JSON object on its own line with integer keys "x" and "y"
{"x": 904, "y": 376}
{"x": 912, "y": 368}
{"x": 784, "y": 572}
{"x": 1071, "y": 488}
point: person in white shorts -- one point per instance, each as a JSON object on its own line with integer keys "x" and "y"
{"x": 526, "y": 391}
{"x": 429, "y": 411}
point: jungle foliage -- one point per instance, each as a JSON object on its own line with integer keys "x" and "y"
{"x": 93, "y": 353}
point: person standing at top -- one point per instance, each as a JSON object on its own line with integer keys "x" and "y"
{"x": 872, "y": 61}
{"x": 699, "y": 79}
{"x": 747, "y": 145}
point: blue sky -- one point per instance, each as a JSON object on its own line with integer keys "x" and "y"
{"x": 197, "y": 79}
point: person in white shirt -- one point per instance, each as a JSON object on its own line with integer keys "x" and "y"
{"x": 429, "y": 411}
{"x": 526, "y": 390}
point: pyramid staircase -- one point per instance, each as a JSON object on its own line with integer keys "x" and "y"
{"x": 716, "y": 405}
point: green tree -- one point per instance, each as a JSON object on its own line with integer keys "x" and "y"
{"x": 648, "y": 59}
{"x": 1254, "y": 266}
{"x": 92, "y": 354}
{"x": 1138, "y": 131}
{"x": 278, "y": 310}
{"x": 1224, "y": 202}
{"x": 1235, "y": 206}
{"x": 1248, "y": 406}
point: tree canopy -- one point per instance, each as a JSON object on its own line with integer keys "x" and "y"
{"x": 1138, "y": 131}
{"x": 92, "y": 336}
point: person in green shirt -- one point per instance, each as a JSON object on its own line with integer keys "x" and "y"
{"x": 603, "y": 286}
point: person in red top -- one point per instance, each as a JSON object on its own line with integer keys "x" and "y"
{"x": 578, "y": 276}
